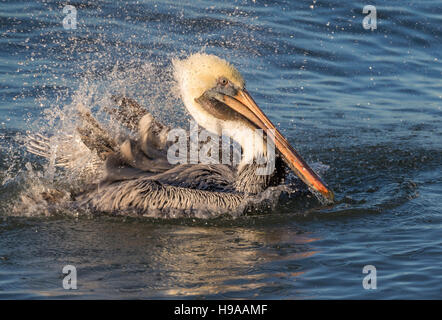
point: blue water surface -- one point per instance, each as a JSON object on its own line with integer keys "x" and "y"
{"x": 366, "y": 103}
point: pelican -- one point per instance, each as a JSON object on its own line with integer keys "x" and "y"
{"x": 137, "y": 176}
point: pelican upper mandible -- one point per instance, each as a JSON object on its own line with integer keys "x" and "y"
{"x": 137, "y": 175}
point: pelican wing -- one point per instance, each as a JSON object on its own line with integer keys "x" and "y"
{"x": 199, "y": 176}
{"x": 149, "y": 197}
{"x": 129, "y": 112}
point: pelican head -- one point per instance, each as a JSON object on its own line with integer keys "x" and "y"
{"x": 214, "y": 93}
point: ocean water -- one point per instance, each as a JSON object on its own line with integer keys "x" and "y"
{"x": 365, "y": 103}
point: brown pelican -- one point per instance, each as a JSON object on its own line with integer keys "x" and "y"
{"x": 139, "y": 178}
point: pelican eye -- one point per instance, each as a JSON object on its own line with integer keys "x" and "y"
{"x": 223, "y": 81}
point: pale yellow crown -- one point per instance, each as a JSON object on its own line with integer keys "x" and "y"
{"x": 200, "y": 72}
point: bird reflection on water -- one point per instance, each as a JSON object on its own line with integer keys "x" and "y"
{"x": 254, "y": 251}
{"x": 193, "y": 261}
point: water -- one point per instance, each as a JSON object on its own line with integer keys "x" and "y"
{"x": 366, "y": 103}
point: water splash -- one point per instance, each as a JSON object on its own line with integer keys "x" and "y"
{"x": 70, "y": 165}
